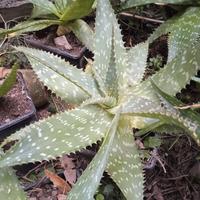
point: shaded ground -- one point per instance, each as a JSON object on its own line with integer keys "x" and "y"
{"x": 178, "y": 155}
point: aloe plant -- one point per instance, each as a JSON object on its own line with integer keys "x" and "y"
{"x": 111, "y": 100}
{"x": 60, "y": 12}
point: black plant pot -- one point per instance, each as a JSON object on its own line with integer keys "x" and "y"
{"x": 73, "y": 57}
{"x": 6, "y": 128}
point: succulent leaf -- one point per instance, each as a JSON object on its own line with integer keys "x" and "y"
{"x": 61, "y": 5}
{"x": 124, "y": 165}
{"x": 9, "y": 81}
{"x": 76, "y": 9}
{"x": 47, "y": 5}
{"x": 184, "y": 31}
{"x": 61, "y": 76}
{"x": 9, "y": 185}
{"x": 137, "y": 58}
{"x": 63, "y": 133}
{"x": 28, "y": 26}
{"x": 174, "y": 76}
{"x": 106, "y": 102}
{"x": 108, "y": 45}
{"x": 102, "y": 42}
{"x": 169, "y": 128}
{"x": 87, "y": 184}
{"x": 83, "y": 32}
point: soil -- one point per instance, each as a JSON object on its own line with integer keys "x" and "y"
{"x": 45, "y": 40}
{"x": 15, "y": 104}
{"x": 11, "y": 3}
{"x": 182, "y": 178}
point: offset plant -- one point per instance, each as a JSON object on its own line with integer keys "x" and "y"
{"x": 46, "y": 13}
{"x": 110, "y": 100}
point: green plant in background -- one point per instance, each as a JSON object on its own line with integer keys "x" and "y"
{"x": 9, "y": 81}
{"x": 126, "y": 4}
{"x": 110, "y": 100}
{"x": 60, "y": 12}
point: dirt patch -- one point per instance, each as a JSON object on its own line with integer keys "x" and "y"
{"x": 178, "y": 156}
{"x": 46, "y": 42}
{"x": 11, "y": 3}
{"x": 15, "y": 104}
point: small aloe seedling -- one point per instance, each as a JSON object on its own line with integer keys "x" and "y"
{"x": 45, "y": 13}
{"x": 111, "y": 100}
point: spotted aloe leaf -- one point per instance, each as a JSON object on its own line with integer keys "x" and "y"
{"x": 170, "y": 115}
{"x": 9, "y": 185}
{"x": 80, "y": 85}
{"x": 167, "y": 113}
{"x": 109, "y": 45}
{"x": 124, "y": 165}
{"x": 28, "y": 26}
{"x": 83, "y": 32}
{"x": 184, "y": 31}
{"x": 9, "y": 81}
{"x": 137, "y": 58}
{"x": 132, "y": 3}
{"x": 59, "y": 134}
{"x": 87, "y": 184}
{"x": 173, "y": 77}
{"x": 190, "y": 119}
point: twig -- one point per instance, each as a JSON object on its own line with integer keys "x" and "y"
{"x": 188, "y": 106}
{"x": 142, "y": 17}
{"x": 5, "y": 26}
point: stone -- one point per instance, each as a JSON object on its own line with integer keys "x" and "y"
{"x": 35, "y": 88}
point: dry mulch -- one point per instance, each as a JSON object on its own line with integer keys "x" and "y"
{"x": 182, "y": 178}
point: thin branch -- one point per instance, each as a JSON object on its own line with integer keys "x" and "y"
{"x": 142, "y": 17}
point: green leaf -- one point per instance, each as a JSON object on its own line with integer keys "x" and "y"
{"x": 28, "y": 26}
{"x": 106, "y": 102}
{"x": 47, "y": 5}
{"x": 174, "y": 76}
{"x": 109, "y": 46}
{"x": 87, "y": 184}
{"x": 76, "y": 9}
{"x": 62, "y": 133}
{"x": 9, "y": 81}
{"x": 137, "y": 58}
{"x": 183, "y": 118}
{"x": 61, "y": 5}
{"x": 184, "y": 31}
{"x": 102, "y": 42}
{"x": 152, "y": 142}
{"x": 40, "y": 12}
{"x": 133, "y": 3}
{"x": 68, "y": 82}
{"x": 125, "y": 167}
{"x": 83, "y": 32}
{"x": 9, "y": 184}
{"x": 169, "y": 128}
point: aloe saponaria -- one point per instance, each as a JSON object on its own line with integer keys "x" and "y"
{"x": 111, "y": 100}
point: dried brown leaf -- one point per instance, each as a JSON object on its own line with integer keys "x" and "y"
{"x": 69, "y": 169}
{"x": 58, "y": 182}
